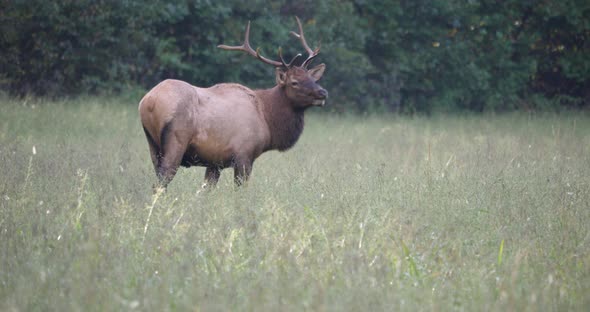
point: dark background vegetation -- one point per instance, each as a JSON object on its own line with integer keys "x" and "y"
{"x": 385, "y": 55}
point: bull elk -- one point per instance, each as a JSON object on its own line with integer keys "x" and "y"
{"x": 228, "y": 124}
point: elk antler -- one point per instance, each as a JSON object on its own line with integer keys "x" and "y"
{"x": 288, "y": 65}
{"x": 248, "y": 49}
{"x": 300, "y": 36}
{"x": 256, "y": 53}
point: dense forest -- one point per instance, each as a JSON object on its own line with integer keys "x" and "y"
{"x": 383, "y": 55}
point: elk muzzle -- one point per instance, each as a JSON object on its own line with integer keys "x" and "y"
{"x": 320, "y": 97}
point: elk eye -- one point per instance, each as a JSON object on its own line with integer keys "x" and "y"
{"x": 294, "y": 83}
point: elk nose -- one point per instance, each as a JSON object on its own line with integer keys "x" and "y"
{"x": 322, "y": 93}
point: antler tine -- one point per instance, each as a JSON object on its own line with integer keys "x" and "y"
{"x": 288, "y": 65}
{"x": 248, "y": 49}
{"x": 301, "y": 37}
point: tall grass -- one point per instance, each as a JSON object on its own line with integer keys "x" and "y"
{"x": 364, "y": 213}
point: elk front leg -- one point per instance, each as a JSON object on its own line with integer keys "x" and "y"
{"x": 242, "y": 170}
{"x": 211, "y": 176}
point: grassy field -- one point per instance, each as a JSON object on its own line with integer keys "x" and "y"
{"x": 389, "y": 213}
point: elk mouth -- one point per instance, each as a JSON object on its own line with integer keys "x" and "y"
{"x": 319, "y": 102}
{"x": 320, "y": 99}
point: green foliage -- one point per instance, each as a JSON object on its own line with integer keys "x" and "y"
{"x": 73, "y": 46}
{"x": 403, "y": 56}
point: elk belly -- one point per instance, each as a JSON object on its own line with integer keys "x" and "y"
{"x": 205, "y": 150}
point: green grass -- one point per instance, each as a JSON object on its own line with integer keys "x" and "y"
{"x": 363, "y": 214}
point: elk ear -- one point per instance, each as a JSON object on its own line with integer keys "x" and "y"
{"x": 281, "y": 76}
{"x": 317, "y": 72}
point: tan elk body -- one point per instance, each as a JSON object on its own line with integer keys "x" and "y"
{"x": 228, "y": 124}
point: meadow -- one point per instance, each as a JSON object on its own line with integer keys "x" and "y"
{"x": 366, "y": 213}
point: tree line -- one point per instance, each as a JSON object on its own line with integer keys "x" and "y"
{"x": 383, "y": 55}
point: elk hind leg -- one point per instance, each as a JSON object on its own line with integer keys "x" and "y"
{"x": 171, "y": 156}
{"x": 154, "y": 150}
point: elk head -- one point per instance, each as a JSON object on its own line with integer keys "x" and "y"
{"x": 299, "y": 84}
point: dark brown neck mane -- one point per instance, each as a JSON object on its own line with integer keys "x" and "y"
{"x": 284, "y": 122}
